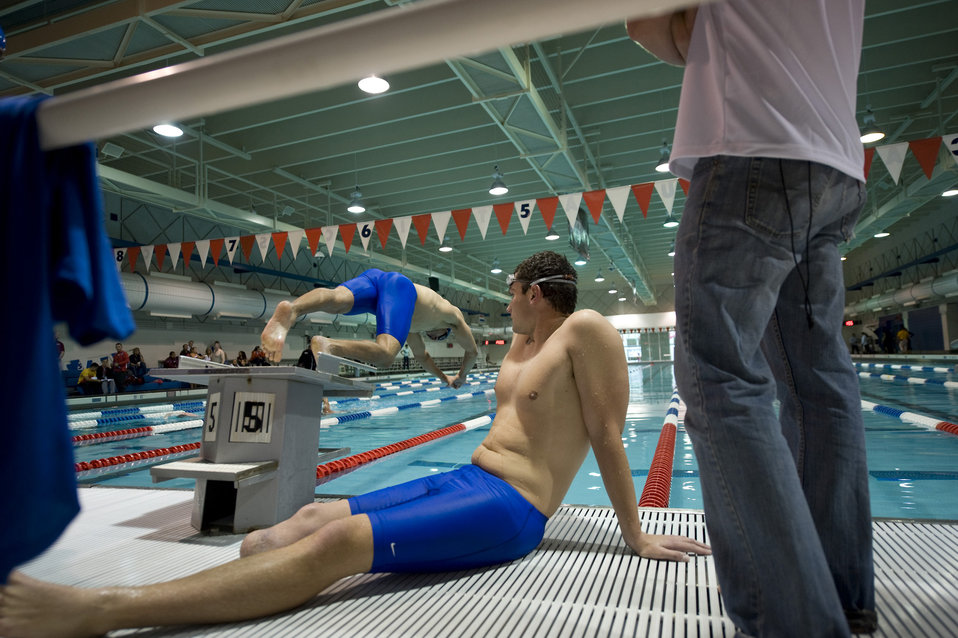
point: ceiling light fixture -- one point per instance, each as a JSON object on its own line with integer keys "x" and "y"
{"x": 374, "y": 85}
{"x": 621, "y": 298}
{"x": 552, "y": 235}
{"x": 444, "y": 247}
{"x": 168, "y": 130}
{"x": 496, "y": 268}
{"x": 599, "y": 278}
{"x": 670, "y": 221}
{"x": 612, "y": 291}
{"x": 664, "y": 153}
{"x": 498, "y": 186}
{"x": 356, "y": 202}
{"x": 871, "y": 132}
{"x": 950, "y": 192}
{"x": 672, "y": 249}
{"x": 580, "y": 262}
{"x": 881, "y": 234}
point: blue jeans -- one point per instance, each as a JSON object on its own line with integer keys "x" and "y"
{"x": 759, "y": 304}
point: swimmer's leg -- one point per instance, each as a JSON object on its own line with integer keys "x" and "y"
{"x": 304, "y": 522}
{"x": 249, "y": 587}
{"x": 380, "y": 353}
{"x": 337, "y": 301}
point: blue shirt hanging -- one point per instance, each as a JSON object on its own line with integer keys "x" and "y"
{"x": 57, "y": 265}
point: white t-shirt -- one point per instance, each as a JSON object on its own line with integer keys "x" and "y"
{"x": 772, "y": 78}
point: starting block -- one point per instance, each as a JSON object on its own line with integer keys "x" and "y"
{"x": 258, "y": 454}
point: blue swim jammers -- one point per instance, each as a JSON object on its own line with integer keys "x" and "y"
{"x": 456, "y": 520}
{"x": 391, "y": 296}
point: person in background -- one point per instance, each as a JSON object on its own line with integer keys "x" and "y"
{"x": 61, "y": 350}
{"x": 138, "y": 368}
{"x": 258, "y": 357}
{"x": 218, "y": 355}
{"x": 241, "y": 360}
{"x": 768, "y": 138}
{"x": 405, "y": 352}
{"x": 88, "y": 382}
{"x": 121, "y": 361}
{"x": 172, "y": 361}
{"x": 104, "y": 372}
{"x": 185, "y": 350}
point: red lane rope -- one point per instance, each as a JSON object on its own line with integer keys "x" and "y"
{"x": 96, "y": 464}
{"x": 325, "y": 470}
{"x": 115, "y": 435}
{"x": 945, "y": 426}
{"x": 659, "y": 482}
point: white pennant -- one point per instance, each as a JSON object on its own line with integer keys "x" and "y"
{"x": 262, "y": 240}
{"x": 295, "y": 239}
{"x": 365, "y": 230}
{"x": 570, "y": 204}
{"x": 618, "y": 197}
{"x": 482, "y": 215}
{"x": 203, "y": 249}
{"x": 524, "y": 211}
{"x": 666, "y": 190}
{"x": 147, "y": 256}
{"x": 402, "y": 225}
{"x": 174, "y": 255}
{"x": 951, "y": 143}
{"x": 231, "y": 243}
{"x": 329, "y": 234}
{"x": 441, "y": 221}
{"x": 893, "y": 155}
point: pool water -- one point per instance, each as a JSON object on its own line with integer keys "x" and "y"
{"x": 912, "y": 470}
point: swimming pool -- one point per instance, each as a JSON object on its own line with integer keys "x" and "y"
{"x": 912, "y": 469}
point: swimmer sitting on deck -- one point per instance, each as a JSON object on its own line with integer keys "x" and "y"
{"x": 404, "y": 311}
{"x": 562, "y": 388}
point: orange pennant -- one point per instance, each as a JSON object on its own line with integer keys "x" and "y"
{"x": 643, "y": 195}
{"x": 461, "y": 218}
{"x": 159, "y": 251}
{"x": 594, "y": 200}
{"x": 926, "y": 152}
{"x": 133, "y": 253}
{"x": 216, "y": 247}
{"x": 547, "y": 206}
{"x": 246, "y": 244}
{"x": 684, "y": 183}
{"x": 383, "y": 226}
{"x": 421, "y": 222}
{"x": 869, "y": 156}
{"x": 504, "y": 215}
{"x": 347, "y": 232}
{"x": 312, "y": 238}
{"x": 186, "y": 249}
{"x": 279, "y": 242}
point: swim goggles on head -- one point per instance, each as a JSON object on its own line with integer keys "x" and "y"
{"x": 559, "y": 279}
{"x": 441, "y": 337}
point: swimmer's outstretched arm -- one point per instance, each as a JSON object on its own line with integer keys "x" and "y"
{"x": 418, "y": 348}
{"x": 602, "y": 379}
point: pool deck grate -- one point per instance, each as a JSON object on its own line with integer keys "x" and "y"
{"x": 581, "y": 581}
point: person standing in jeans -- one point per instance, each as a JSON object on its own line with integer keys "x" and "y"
{"x": 767, "y": 136}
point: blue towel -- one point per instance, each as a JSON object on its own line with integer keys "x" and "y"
{"x": 56, "y": 265}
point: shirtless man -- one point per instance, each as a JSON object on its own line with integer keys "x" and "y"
{"x": 404, "y": 311}
{"x": 563, "y": 387}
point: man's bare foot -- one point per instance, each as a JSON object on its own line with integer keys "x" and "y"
{"x": 274, "y": 334}
{"x": 32, "y": 608}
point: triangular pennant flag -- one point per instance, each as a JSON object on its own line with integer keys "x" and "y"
{"x": 295, "y": 240}
{"x": 160, "y": 252}
{"x": 618, "y": 197}
{"x": 118, "y": 255}
{"x": 365, "y": 232}
{"x": 482, "y": 215}
{"x": 951, "y": 143}
{"x": 461, "y": 217}
{"x": 524, "y": 211}
{"x": 312, "y": 238}
{"x": 329, "y": 234}
{"x": 262, "y": 240}
{"x": 421, "y": 222}
{"x": 246, "y": 245}
{"x": 347, "y": 232}
{"x": 383, "y": 227}
{"x": 869, "y": 156}
{"x": 402, "y": 228}
{"x": 441, "y": 222}
{"x": 504, "y": 215}
{"x": 643, "y": 195}
{"x": 131, "y": 254}
{"x": 686, "y": 185}
{"x": 203, "y": 250}
{"x": 279, "y": 243}
{"x": 594, "y": 201}
{"x": 174, "y": 254}
{"x": 893, "y": 155}
{"x": 570, "y": 204}
{"x": 231, "y": 244}
{"x": 147, "y": 256}
{"x": 187, "y": 248}
{"x": 216, "y": 249}
{"x": 926, "y": 152}
{"x": 547, "y": 207}
{"x": 666, "y": 190}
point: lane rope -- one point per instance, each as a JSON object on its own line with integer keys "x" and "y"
{"x": 658, "y": 484}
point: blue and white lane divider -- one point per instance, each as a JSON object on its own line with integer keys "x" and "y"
{"x": 927, "y": 422}
{"x": 336, "y": 420}
{"x": 898, "y": 366}
{"x": 912, "y": 380}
